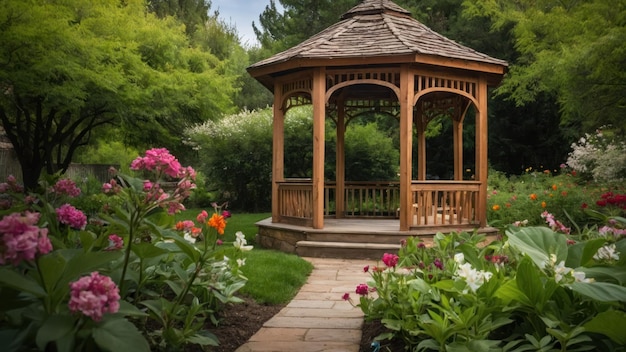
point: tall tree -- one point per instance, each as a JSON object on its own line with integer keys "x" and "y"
{"x": 71, "y": 67}
{"x": 570, "y": 48}
{"x": 192, "y": 13}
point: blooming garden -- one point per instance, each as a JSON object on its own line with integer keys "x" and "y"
{"x": 542, "y": 286}
{"x": 126, "y": 278}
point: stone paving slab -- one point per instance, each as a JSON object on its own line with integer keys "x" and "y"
{"x": 317, "y": 319}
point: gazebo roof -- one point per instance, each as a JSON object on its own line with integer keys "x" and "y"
{"x": 376, "y": 32}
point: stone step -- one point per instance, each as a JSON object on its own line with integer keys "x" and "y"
{"x": 347, "y": 250}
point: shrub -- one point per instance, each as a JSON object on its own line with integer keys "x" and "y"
{"x": 601, "y": 157}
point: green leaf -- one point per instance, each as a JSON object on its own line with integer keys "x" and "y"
{"x": 609, "y": 323}
{"x": 10, "y": 278}
{"x": 590, "y": 249}
{"x": 52, "y": 267}
{"x": 539, "y": 243}
{"x": 87, "y": 240}
{"x": 85, "y": 263}
{"x": 54, "y": 328}
{"x": 600, "y": 291}
{"x": 606, "y": 273}
{"x": 184, "y": 245}
{"x": 204, "y": 338}
{"x": 128, "y": 309}
{"x": 147, "y": 250}
{"x": 529, "y": 282}
{"x": 510, "y": 292}
{"x": 119, "y": 335}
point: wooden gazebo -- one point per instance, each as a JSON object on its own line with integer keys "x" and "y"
{"x": 377, "y": 58}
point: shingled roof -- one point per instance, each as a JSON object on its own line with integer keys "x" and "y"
{"x": 375, "y": 28}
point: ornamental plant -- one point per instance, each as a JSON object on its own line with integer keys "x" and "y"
{"x": 125, "y": 278}
{"x": 534, "y": 289}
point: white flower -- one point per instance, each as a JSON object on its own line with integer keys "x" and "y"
{"x": 607, "y": 253}
{"x": 241, "y": 243}
{"x": 474, "y": 278}
{"x": 579, "y": 276}
{"x": 459, "y": 258}
{"x": 560, "y": 271}
{"x": 189, "y": 238}
{"x": 241, "y": 261}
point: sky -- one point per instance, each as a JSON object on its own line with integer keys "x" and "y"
{"x": 242, "y": 13}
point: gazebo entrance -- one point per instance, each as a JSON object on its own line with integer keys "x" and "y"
{"x": 378, "y": 58}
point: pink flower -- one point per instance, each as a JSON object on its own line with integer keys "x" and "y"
{"x": 66, "y": 186}
{"x": 147, "y": 185}
{"x": 115, "y": 243}
{"x": 161, "y": 161}
{"x": 346, "y": 296}
{"x": 21, "y": 238}
{"x": 226, "y": 214}
{"x": 391, "y": 260}
{"x": 68, "y": 215}
{"x": 438, "y": 263}
{"x": 366, "y": 268}
{"x": 94, "y": 295}
{"x": 219, "y": 242}
{"x": 202, "y": 216}
{"x": 362, "y": 289}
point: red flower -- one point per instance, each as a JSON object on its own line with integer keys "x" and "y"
{"x": 362, "y": 289}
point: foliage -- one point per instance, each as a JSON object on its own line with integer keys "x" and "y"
{"x": 72, "y": 67}
{"x": 162, "y": 280}
{"x": 534, "y": 290}
{"x": 572, "y": 49}
{"x": 601, "y": 156}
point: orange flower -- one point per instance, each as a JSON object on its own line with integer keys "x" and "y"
{"x": 195, "y": 231}
{"x": 533, "y": 196}
{"x": 217, "y": 222}
{"x": 564, "y": 193}
{"x": 495, "y": 207}
{"x": 543, "y": 204}
{"x": 554, "y": 187}
{"x": 508, "y": 205}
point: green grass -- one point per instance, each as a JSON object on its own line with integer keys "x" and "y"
{"x": 273, "y": 277}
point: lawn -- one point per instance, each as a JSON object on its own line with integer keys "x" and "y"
{"x": 268, "y": 280}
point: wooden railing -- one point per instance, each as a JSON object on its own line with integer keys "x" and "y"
{"x": 434, "y": 203}
{"x": 437, "y": 203}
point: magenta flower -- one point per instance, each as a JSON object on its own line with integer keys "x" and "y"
{"x": 346, "y": 296}
{"x": 68, "y": 215}
{"x": 161, "y": 161}
{"x": 94, "y": 295}
{"x": 366, "y": 268}
{"x": 115, "y": 243}
{"x": 21, "y": 238}
{"x": 390, "y": 260}
{"x": 226, "y": 214}
{"x": 66, "y": 186}
{"x": 202, "y": 216}
{"x": 438, "y": 263}
{"x": 362, "y": 289}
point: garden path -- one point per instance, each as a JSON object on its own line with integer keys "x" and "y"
{"x": 317, "y": 319}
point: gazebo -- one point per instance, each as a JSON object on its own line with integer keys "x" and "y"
{"x": 377, "y": 58}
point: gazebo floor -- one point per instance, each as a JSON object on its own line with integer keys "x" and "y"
{"x": 348, "y": 238}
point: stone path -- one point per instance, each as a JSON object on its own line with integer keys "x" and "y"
{"x": 317, "y": 319}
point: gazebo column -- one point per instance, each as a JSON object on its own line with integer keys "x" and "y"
{"x": 420, "y": 126}
{"x": 406, "y": 142}
{"x": 340, "y": 165}
{"x": 278, "y": 149}
{"x": 457, "y": 135}
{"x": 319, "y": 114}
{"x": 481, "y": 151}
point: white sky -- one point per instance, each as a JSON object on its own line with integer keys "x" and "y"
{"x": 242, "y": 13}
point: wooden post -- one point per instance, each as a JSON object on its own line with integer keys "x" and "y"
{"x": 481, "y": 151}
{"x": 319, "y": 114}
{"x": 340, "y": 165}
{"x": 406, "y": 142}
{"x": 278, "y": 149}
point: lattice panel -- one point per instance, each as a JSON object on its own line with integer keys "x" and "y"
{"x": 390, "y": 76}
{"x": 426, "y": 82}
{"x": 304, "y": 84}
{"x": 297, "y": 100}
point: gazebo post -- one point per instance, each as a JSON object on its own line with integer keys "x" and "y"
{"x": 406, "y": 142}
{"x": 319, "y": 114}
{"x": 481, "y": 150}
{"x": 340, "y": 165}
{"x": 278, "y": 149}
{"x": 457, "y": 135}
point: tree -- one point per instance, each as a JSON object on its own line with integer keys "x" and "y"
{"x": 192, "y": 13}
{"x": 70, "y": 68}
{"x": 300, "y": 20}
{"x": 572, "y": 49}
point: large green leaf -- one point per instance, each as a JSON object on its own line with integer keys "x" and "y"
{"x": 19, "y": 282}
{"x": 600, "y": 291}
{"x": 539, "y": 243}
{"x": 529, "y": 282}
{"x": 606, "y": 273}
{"x": 55, "y": 328}
{"x": 119, "y": 335}
{"x": 610, "y": 323}
{"x": 51, "y": 266}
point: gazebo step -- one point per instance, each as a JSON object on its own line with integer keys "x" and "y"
{"x": 347, "y": 250}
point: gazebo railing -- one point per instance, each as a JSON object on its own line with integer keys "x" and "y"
{"x": 434, "y": 203}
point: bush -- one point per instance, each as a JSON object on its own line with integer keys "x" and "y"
{"x": 601, "y": 157}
